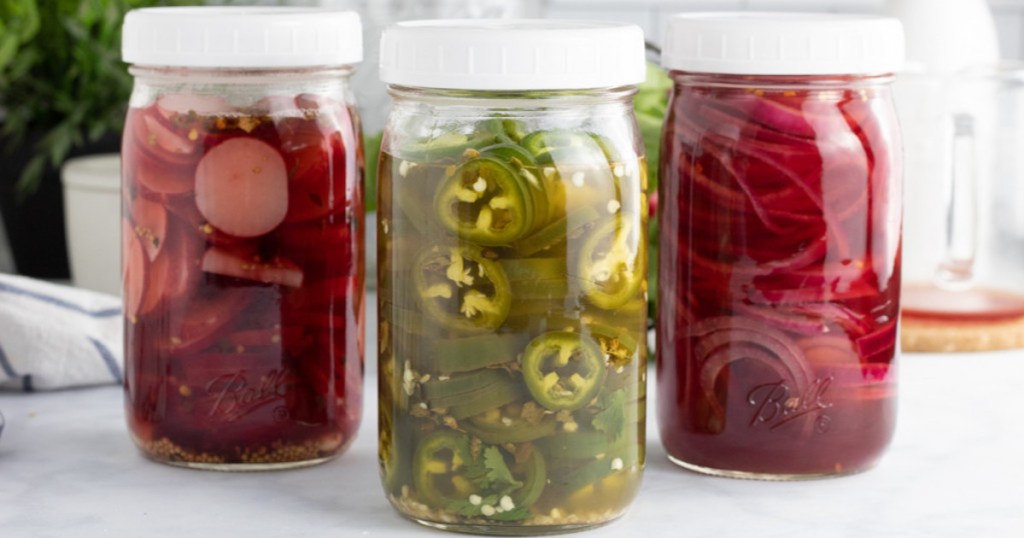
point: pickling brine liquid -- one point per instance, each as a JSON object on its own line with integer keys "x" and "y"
{"x": 779, "y": 276}
{"x": 243, "y": 280}
{"x": 512, "y": 323}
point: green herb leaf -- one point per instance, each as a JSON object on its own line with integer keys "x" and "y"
{"x": 611, "y": 419}
{"x": 498, "y": 473}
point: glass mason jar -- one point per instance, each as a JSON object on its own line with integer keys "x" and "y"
{"x": 511, "y": 244}
{"x": 242, "y": 237}
{"x": 963, "y": 289}
{"x": 780, "y": 270}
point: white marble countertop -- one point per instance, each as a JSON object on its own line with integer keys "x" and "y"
{"x": 956, "y": 468}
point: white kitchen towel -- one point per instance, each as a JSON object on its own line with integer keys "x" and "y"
{"x": 54, "y": 336}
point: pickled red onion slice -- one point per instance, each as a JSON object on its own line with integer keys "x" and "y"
{"x": 725, "y": 339}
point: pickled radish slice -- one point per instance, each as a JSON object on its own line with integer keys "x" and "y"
{"x": 276, "y": 271}
{"x": 186, "y": 104}
{"x": 175, "y": 271}
{"x": 157, "y": 135}
{"x": 242, "y": 187}
{"x": 149, "y": 223}
{"x": 183, "y": 209}
{"x": 133, "y": 269}
{"x": 160, "y": 177}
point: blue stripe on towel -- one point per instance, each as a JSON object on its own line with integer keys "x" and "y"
{"x": 26, "y": 384}
{"x": 108, "y": 358}
{"x": 49, "y": 299}
{"x": 5, "y": 365}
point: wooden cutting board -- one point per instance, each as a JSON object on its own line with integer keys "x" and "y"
{"x": 936, "y": 320}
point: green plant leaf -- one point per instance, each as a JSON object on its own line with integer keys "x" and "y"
{"x": 611, "y": 419}
{"x": 498, "y": 473}
{"x": 19, "y": 22}
{"x": 490, "y": 472}
{"x": 28, "y": 181}
{"x": 63, "y": 78}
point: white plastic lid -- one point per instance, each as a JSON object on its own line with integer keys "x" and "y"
{"x": 752, "y": 43}
{"x": 241, "y": 37}
{"x": 522, "y": 54}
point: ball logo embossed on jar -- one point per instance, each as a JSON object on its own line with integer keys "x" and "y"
{"x": 777, "y": 404}
{"x": 234, "y": 397}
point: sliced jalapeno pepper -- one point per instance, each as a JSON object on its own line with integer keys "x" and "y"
{"x": 580, "y": 445}
{"x": 461, "y": 289}
{"x": 474, "y": 393}
{"x": 612, "y": 263}
{"x": 446, "y": 145}
{"x": 499, "y": 395}
{"x": 456, "y": 389}
{"x": 536, "y": 278}
{"x": 511, "y": 424}
{"x": 563, "y": 147}
{"x": 563, "y": 370}
{"x": 534, "y": 481}
{"x": 607, "y": 147}
{"x": 508, "y": 152}
{"x": 533, "y": 268}
{"x": 417, "y": 183}
{"x": 516, "y": 432}
{"x": 470, "y": 353}
{"x": 495, "y": 128}
{"x": 445, "y": 472}
{"x": 556, "y": 232}
{"x": 485, "y": 201}
{"x": 514, "y": 129}
{"x": 405, "y": 320}
{"x": 439, "y": 469}
{"x": 452, "y": 145}
{"x": 395, "y": 448}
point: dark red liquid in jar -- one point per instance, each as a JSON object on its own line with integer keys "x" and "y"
{"x": 779, "y": 275}
{"x": 243, "y": 250}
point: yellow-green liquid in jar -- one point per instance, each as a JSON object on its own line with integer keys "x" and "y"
{"x": 512, "y": 289}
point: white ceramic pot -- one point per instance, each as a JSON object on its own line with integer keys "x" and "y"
{"x": 92, "y": 217}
